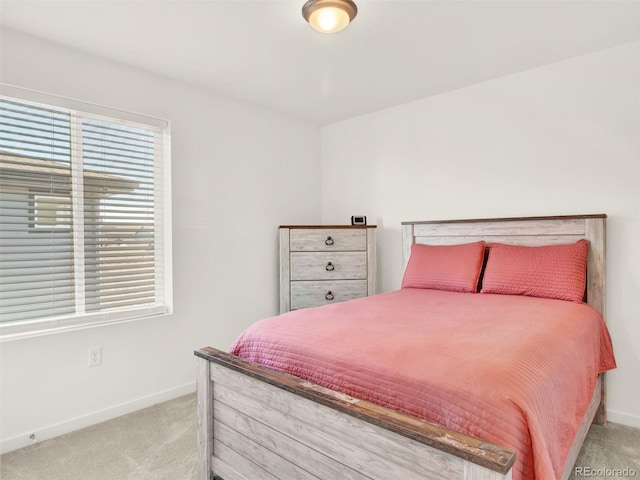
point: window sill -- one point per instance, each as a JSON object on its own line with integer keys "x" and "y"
{"x": 36, "y": 328}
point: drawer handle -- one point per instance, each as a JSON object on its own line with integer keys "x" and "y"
{"x": 330, "y": 267}
{"x": 328, "y": 241}
{"x": 329, "y": 296}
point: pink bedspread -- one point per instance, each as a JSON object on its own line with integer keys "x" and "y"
{"x": 516, "y": 371}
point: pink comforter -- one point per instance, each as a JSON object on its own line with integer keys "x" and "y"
{"x": 516, "y": 371}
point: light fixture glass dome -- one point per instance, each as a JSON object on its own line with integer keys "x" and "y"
{"x": 329, "y": 19}
{"x": 329, "y": 16}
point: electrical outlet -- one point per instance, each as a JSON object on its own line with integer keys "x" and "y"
{"x": 95, "y": 356}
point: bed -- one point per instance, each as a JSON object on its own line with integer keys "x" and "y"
{"x": 258, "y": 422}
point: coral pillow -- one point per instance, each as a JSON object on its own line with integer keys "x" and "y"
{"x": 553, "y": 271}
{"x": 445, "y": 267}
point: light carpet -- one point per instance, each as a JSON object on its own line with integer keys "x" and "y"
{"x": 156, "y": 443}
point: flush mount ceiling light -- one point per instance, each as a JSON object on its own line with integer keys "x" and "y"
{"x": 329, "y": 16}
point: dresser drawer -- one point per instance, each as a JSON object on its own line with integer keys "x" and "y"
{"x": 313, "y": 294}
{"x": 328, "y": 265}
{"x": 324, "y": 240}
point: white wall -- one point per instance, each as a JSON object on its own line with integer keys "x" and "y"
{"x": 236, "y": 170}
{"x": 558, "y": 140}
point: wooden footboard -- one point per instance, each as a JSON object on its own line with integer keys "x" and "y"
{"x": 255, "y": 422}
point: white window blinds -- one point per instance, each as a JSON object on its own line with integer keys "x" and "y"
{"x": 82, "y": 216}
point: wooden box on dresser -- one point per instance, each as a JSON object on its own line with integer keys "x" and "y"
{"x": 322, "y": 264}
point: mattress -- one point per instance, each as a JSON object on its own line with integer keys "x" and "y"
{"x": 516, "y": 371}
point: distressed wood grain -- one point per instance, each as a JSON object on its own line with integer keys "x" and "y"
{"x": 315, "y": 253}
{"x": 204, "y": 393}
{"x": 314, "y": 293}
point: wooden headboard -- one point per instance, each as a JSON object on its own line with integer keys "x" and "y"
{"x": 526, "y": 231}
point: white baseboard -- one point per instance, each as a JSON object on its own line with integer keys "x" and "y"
{"x": 19, "y": 441}
{"x": 623, "y": 418}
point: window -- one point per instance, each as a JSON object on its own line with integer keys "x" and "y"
{"x": 84, "y": 215}
{"x": 49, "y": 211}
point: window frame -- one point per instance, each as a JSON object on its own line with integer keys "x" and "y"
{"x": 19, "y": 329}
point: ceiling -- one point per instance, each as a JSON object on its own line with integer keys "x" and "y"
{"x": 395, "y": 51}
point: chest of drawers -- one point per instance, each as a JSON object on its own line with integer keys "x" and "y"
{"x": 326, "y": 264}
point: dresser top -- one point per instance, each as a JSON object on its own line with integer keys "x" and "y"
{"x": 327, "y": 226}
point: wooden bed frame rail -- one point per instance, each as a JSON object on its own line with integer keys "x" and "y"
{"x": 258, "y": 423}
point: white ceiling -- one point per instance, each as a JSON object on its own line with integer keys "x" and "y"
{"x": 264, "y": 53}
